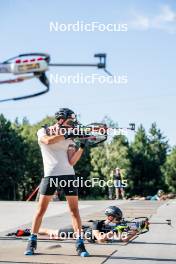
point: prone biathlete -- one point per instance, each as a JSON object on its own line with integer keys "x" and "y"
{"x": 99, "y": 231}
{"x": 112, "y": 228}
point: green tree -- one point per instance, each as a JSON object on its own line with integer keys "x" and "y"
{"x": 98, "y": 168}
{"x": 158, "y": 148}
{"x": 82, "y": 170}
{"x": 138, "y": 157}
{"x": 106, "y": 158}
{"x": 34, "y": 165}
{"x": 169, "y": 170}
{"x": 119, "y": 154}
{"x": 12, "y": 161}
{"x": 147, "y": 154}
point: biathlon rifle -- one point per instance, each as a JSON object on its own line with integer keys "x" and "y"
{"x": 141, "y": 224}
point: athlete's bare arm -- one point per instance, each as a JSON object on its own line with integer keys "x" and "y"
{"x": 74, "y": 154}
{"x": 52, "y": 233}
{"x": 51, "y": 139}
{"x": 102, "y": 237}
{"x": 106, "y": 236}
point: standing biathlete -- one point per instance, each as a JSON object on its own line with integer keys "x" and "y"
{"x": 59, "y": 155}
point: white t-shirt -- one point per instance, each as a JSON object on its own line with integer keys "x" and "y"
{"x": 55, "y": 158}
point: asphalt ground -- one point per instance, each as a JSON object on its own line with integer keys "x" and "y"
{"x": 156, "y": 246}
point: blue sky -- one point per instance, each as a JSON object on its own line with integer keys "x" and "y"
{"x": 146, "y": 54}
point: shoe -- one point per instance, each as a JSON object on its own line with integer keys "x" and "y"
{"x": 31, "y": 246}
{"x": 81, "y": 251}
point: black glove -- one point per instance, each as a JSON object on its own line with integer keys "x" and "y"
{"x": 83, "y": 143}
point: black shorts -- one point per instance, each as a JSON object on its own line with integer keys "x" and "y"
{"x": 66, "y": 183}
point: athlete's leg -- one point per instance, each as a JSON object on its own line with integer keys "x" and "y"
{"x": 51, "y": 233}
{"x": 42, "y": 206}
{"x": 76, "y": 221}
{"x": 74, "y": 211}
{"x": 61, "y": 233}
{"x": 43, "y": 231}
{"x": 117, "y": 193}
{"x": 122, "y": 193}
